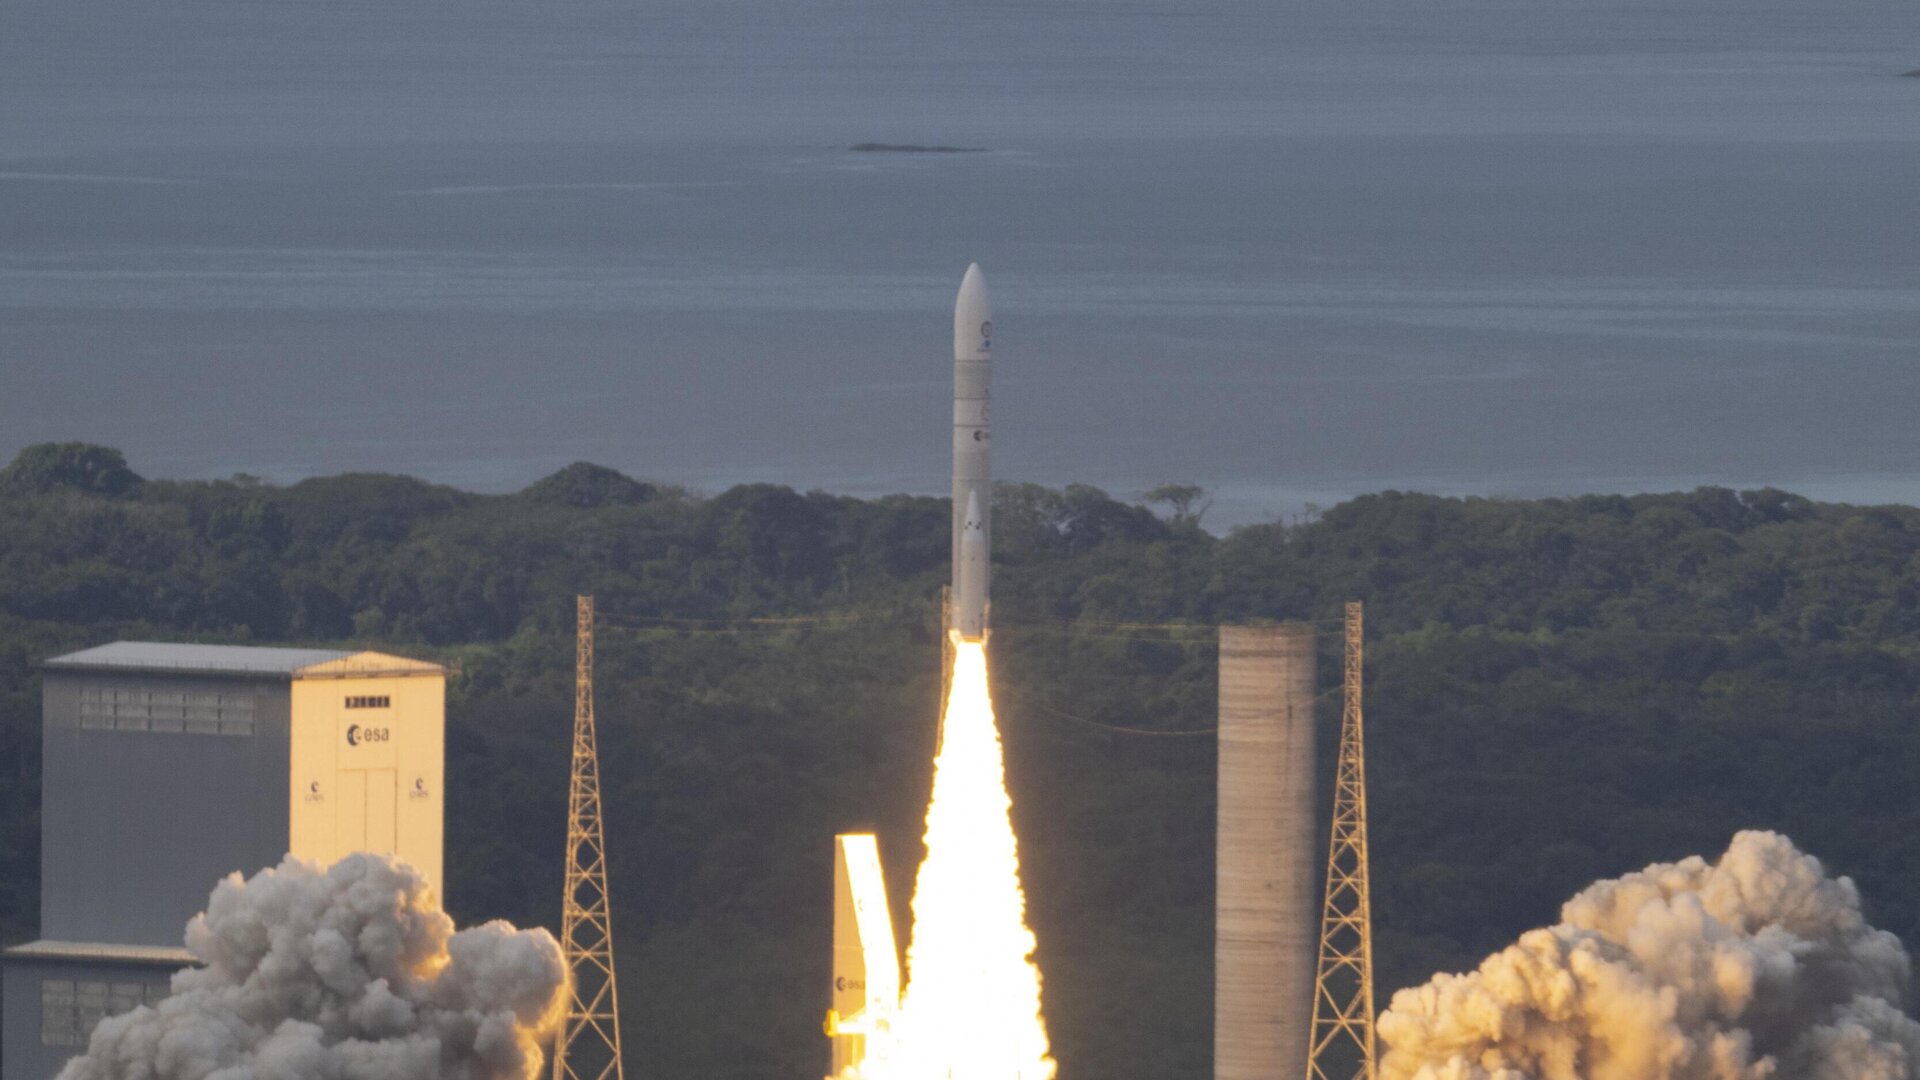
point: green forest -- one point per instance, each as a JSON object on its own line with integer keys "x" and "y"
{"x": 1558, "y": 690}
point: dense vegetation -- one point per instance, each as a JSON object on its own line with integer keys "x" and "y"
{"x": 1559, "y": 689}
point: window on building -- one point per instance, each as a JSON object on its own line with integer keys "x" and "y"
{"x": 89, "y": 1008}
{"x": 125, "y": 997}
{"x": 57, "y": 1019}
{"x": 370, "y": 701}
{"x": 166, "y": 712}
{"x": 69, "y": 1009}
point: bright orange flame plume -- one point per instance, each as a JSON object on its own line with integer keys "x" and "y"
{"x": 971, "y": 1010}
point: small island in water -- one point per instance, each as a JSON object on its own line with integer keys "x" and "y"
{"x": 912, "y": 148}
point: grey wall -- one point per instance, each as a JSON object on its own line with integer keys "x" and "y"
{"x": 1265, "y": 932}
{"x": 137, "y": 825}
{"x": 23, "y": 1056}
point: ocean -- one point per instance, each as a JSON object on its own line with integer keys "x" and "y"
{"x": 1292, "y": 251}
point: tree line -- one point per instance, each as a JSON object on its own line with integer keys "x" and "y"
{"x": 1558, "y": 690}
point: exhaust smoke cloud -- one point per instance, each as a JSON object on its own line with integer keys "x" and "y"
{"x": 1755, "y": 967}
{"x": 346, "y": 973}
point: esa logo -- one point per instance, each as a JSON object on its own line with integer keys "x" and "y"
{"x": 360, "y": 736}
{"x": 844, "y": 984}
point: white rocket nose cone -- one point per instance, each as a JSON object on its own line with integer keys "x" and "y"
{"x": 973, "y": 317}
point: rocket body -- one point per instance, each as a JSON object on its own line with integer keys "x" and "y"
{"x": 970, "y": 580}
{"x": 972, "y": 456}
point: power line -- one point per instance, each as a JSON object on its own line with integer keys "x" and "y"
{"x": 1195, "y": 732}
{"x": 756, "y": 621}
{"x": 1038, "y": 620}
{"x": 1170, "y": 633}
{"x": 640, "y": 624}
{"x": 1083, "y": 635}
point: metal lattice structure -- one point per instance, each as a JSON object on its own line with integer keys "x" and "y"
{"x": 588, "y": 1046}
{"x": 1342, "y": 1043}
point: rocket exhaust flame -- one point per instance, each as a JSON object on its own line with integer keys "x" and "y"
{"x": 971, "y": 1010}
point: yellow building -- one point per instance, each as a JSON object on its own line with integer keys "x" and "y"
{"x": 368, "y": 735}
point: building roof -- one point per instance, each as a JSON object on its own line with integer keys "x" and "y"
{"x": 170, "y": 656}
{"x": 173, "y": 956}
{"x": 363, "y": 665}
{"x": 179, "y": 658}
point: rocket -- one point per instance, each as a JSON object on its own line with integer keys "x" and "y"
{"x": 972, "y": 456}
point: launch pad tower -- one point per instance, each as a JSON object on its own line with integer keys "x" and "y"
{"x": 588, "y": 1046}
{"x": 1342, "y": 1036}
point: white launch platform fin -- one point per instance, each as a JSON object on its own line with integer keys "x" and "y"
{"x": 866, "y": 964}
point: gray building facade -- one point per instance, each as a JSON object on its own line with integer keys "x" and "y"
{"x": 52, "y": 994}
{"x": 164, "y": 768}
{"x": 153, "y": 787}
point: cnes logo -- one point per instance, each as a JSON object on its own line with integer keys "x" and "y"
{"x": 357, "y": 735}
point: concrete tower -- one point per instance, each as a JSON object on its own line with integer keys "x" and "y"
{"x": 1264, "y": 917}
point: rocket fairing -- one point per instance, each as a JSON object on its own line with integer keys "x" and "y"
{"x": 972, "y": 456}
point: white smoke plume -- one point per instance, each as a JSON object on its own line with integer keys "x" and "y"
{"x": 345, "y": 973}
{"x": 1755, "y": 967}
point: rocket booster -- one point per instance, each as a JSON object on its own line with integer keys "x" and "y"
{"x": 972, "y": 456}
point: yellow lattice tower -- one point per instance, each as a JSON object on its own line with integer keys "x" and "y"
{"x": 1342, "y": 1033}
{"x": 588, "y": 1046}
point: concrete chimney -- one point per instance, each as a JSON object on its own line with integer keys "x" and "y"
{"x": 1264, "y": 915}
